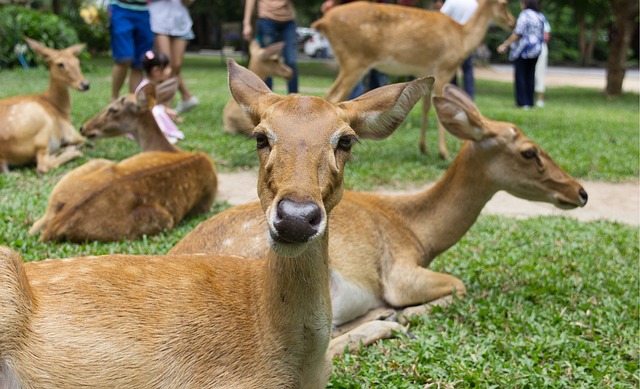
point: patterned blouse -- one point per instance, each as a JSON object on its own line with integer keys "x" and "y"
{"x": 530, "y": 27}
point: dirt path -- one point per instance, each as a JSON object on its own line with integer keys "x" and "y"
{"x": 613, "y": 202}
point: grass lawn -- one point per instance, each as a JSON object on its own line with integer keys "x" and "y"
{"x": 552, "y": 302}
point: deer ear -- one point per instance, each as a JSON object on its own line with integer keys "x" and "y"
{"x": 249, "y": 91}
{"x": 456, "y": 119}
{"x": 76, "y": 49}
{"x": 376, "y": 114}
{"x": 146, "y": 97}
{"x": 40, "y": 49}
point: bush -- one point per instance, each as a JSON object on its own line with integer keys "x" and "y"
{"x": 17, "y": 22}
{"x": 92, "y": 24}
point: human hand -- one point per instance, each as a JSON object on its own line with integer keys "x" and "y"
{"x": 502, "y": 49}
{"x": 247, "y": 32}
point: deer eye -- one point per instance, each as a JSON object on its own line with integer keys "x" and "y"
{"x": 530, "y": 153}
{"x": 346, "y": 142}
{"x": 112, "y": 111}
{"x": 261, "y": 141}
{"x": 60, "y": 65}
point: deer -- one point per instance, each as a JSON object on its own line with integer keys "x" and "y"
{"x": 264, "y": 62}
{"x": 401, "y": 40}
{"x": 37, "y": 128}
{"x": 146, "y": 194}
{"x": 381, "y": 245}
{"x": 211, "y": 320}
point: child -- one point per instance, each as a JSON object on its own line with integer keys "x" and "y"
{"x": 158, "y": 72}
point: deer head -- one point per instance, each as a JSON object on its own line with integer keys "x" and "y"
{"x": 64, "y": 66}
{"x": 267, "y": 61}
{"x": 309, "y": 139}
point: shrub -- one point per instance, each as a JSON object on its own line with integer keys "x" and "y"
{"x": 17, "y": 22}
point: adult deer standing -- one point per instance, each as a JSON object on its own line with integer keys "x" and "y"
{"x": 205, "y": 321}
{"x": 142, "y": 195}
{"x": 35, "y": 127}
{"x": 264, "y": 62}
{"x": 401, "y": 40}
{"x": 381, "y": 245}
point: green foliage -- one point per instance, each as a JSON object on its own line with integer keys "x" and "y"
{"x": 17, "y": 22}
{"x": 95, "y": 33}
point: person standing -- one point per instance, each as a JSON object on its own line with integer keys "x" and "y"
{"x": 276, "y": 22}
{"x": 525, "y": 45}
{"x": 541, "y": 67}
{"x": 461, "y": 11}
{"x": 131, "y": 37}
{"x": 172, "y": 26}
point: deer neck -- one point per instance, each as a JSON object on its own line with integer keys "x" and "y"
{"x": 443, "y": 213}
{"x": 297, "y": 302}
{"x": 59, "y": 97}
{"x": 150, "y": 137}
{"x": 474, "y": 31}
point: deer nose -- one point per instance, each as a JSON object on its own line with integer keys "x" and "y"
{"x": 84, "y": 85}
{"x": 296, "y": 222}
{"x": 583, "y": 196}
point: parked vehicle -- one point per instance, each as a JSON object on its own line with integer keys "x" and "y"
{"x": 317, "y": 46}
{"x": 302, "y": 35}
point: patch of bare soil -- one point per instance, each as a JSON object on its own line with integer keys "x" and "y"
{"x": 607, "y": 201}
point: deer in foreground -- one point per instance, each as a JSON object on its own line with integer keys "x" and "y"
{"x": 205, "y": 321}
{"x": 264, "y": 62}
{"x": 381, "y": 245}
{"x": 401, "y": 40}
{"x": 35, "y": 127}
{"x": 142, "y": 195}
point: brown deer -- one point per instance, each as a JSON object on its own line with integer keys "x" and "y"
{"x": 142, "y": 195}
{"x": 401, "y": 40}
{"x": 36, "y": 127}
{"x": 381, "y": 245}
{"x": 264, "y": 62}
{"x": 206, "y": 321}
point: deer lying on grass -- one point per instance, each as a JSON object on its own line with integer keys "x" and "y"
{"x": 205, "y": 321}
{"x": 264, "y": 62}
{"x": 35, "y": 127}
{"x": 381, "y": 245}
{"x": 142, "y": 195}
{"x": 401, "y": 40}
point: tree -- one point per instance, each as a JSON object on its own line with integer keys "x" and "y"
{"x": 625, "y": 14}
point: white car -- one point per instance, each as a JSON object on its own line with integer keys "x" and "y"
{"x": 317, "y": 46}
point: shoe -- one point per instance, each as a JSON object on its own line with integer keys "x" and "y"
{"x": 540, "y": 103}
{"x": 185, "y": 105}
{"x": 526, "y": 107}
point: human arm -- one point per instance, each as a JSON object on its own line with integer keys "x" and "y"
{"x": 247, "y": 22}
{"x": 505, "y": 45}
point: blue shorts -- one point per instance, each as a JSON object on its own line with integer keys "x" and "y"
{"x": 131, "y": 35}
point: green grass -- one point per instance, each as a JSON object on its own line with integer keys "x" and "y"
{"x": 552, "y": 302}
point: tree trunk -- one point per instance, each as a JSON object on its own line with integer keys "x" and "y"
{"x": 625, "y": 13}
{"x": 591, "y": 45}
{"x": 56, "y": 6}
{"x": 582, "y": 32}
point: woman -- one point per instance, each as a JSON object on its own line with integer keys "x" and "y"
{"x": 525, "y": 45}
{"x": 171, "y": 24}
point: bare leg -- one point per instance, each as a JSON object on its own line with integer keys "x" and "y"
{"x": 178, "y": 47}
{"x": 118, "y": 75}
{"x": 135, "y": 78}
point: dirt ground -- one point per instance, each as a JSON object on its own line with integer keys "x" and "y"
{"x": 614, "y": 202}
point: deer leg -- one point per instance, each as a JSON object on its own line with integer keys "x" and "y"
{"x": 364, "y": 335}
{"x": 442, "y": 144}
{"x": 406, "y": 285}
{"x": 46, "y": 162}
{"x": 344, "y": 83}
{"x": 4, "y": 166}
{"x": 426, "y": 106}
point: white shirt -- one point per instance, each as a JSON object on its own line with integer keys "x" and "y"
{"x": 169, "y": 17}
{"x": 459, "y": 10}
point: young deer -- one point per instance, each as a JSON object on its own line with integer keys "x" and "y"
{"x": 264, "y": 62}
{"x": 403, "y": 40}
{"x": 142, "y": 195}
{"x": 205, "y": 321}
{"x": 35, "y": 127}
{"x": 381, "y": 244}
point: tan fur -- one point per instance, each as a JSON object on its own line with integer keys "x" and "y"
{"x": 381, "y": 245}
{"x": 264, "y": 62}
{"x": 36, "y": 127}
{"x": 206, "y": 321}
{"x": 142, "y": 195}
{"x": 401, "y": 40}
